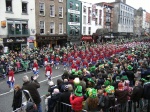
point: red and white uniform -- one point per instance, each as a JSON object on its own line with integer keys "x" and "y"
{"x": 48, "y": 71}
{"x": 35, "y": 66}
{"x": 74, "y": 66}
{"x": 45, "y": 61}
{"x": 11, "y": 76}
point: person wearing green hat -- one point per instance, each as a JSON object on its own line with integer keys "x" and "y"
{"x": 92, "y": 101}
{"x": 130, "y": 74}
{"x": 76, "y": 99}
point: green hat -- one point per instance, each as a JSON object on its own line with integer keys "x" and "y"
{"x": 90, "y": 80}
{"x": 124, "y": 77}
{"x": 107, "y": 83}
{"x": 92, "y": 93}
{"x": 130, "y": 67}
{"x": 144, "y": 80}
{"x": 78, "y": 91}
{"x": 110, "y": 89}
{"x": 73, "y": 71}
{"x": 79, "y": 72}
{"x": 92, "y": 68}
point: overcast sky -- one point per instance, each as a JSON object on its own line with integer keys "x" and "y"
{"x": 145, "y": 4}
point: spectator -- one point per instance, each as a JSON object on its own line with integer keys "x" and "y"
{"x": 32, "y": 88}
{"x": 17, "y": 98}
{"x": 76, "y": 99}
{"x": 51, "y": 87}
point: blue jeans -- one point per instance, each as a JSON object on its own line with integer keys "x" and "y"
{"x": 39, "y": 107}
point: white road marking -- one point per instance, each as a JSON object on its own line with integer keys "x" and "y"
{"x": 39, "y": 82}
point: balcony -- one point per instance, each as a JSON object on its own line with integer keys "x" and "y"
{"x": 18, "y": 32}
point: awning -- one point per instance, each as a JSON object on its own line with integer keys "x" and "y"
{"x": 86, "y": 38}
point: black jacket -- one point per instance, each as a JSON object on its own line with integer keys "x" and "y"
{"x": 65, "y": 97}
{"x": 137, "y": 93}
{"x": 32, "y": 88}
{"x": 17, "y": 99}
{"x": 130, "y": 75}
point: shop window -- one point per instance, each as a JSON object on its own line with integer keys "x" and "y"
{"x": 60, "y": 12}
{"x": 77, "y": 18}
{"x": 71, "y": 32}
{"x": 11, "y": 28}
{"x": 42, "y": 31}
{"x": 52, "y": 29}
{"x": 71, "y": 17}
{"x": 17, "y": 28}
{"x": 84, "y": 30}
{"x": 42, "y": 8}
{"x": 71, "y": 5}
{"x": 76, "y": 32}
{"x": 9, "y": 5}
{"x": 60, "y": 28}
{"x": 52, "y": 10}
{"x": 24, "y": 28}
{"x": 89, "y": 20}
{"x": 24, "y": 7}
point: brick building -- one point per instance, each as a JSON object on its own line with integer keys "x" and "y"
{"x": 50, "y": 22}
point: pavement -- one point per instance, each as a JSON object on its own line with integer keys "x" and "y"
{"x": 6, "y": 97}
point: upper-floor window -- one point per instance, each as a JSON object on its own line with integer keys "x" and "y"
{"x": 42, "y": 8}
{"x": 52, "y": 30}
{"x": 71, "y": 17}
{"x": 71, "y": 5}
{"x": 61, "y": 12}
{"x": 24, "y": 7}
{"x": 60, "y": 0}
{"x": 77, "y": 6}
{"x": 84, "y": 30}
{"x": 84, "y": 19}
{"x": 60, "y": 28}
{"x": 84, "y": 9}
{"x": 9, "y": 5}
{"x": 89, "y": 30}
{"x": 52, "y": 11}
{"x": 89, "y": 20}
{"x": 96, "y": 21}
{"x": 96, "y": 11}
{"x": 77, "y": 18}
{"x": 42, "y": 27}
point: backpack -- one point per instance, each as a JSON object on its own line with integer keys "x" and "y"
{"x": 103, "y": 101}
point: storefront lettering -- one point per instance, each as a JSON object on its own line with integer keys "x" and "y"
{"x": 20, "y": 40}
{"x": 9, "y": 40}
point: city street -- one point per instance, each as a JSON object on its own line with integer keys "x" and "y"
{"x": 6, "y": 97}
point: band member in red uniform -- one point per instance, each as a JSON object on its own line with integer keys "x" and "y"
{"x": 45, "y": 60}
{"x": 85, "y": 63}
{"x": 35, "y": 68}
{"x": 11, "y": 78}
{"x": 74, "y": 66}
{"x": 78, "y": 62}
{"x": 65, "y": 62}
{"x": 57, "y": 61}
{"x": 52, "y": 58}
{"x": 48, "y": 71}
{"x": 94, "y": 60}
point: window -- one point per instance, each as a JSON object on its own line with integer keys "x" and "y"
{"x": 42, "y": 27}
{"x": 77, "y": 6}
{"x": 60, "y": 28}
{"x": 52, "y": 11}
{"x": 84, "y": 9}
{"x": 71, "y": 32}
{"x": 95, "y": 21}
{"x": 42, "y": 9}
{"x": 84, "y": 19}
{"x": 89, "y": 30}
{"x": 96, "y": 12}
{"x": 71, "y": 17}
{"x": 84, "y": 30}
{"x": 60, "y": 12}
{"x": 24, "y": 7}
{"x": 89, "y": 20}
{"x": 71, "y": 5}
{"x": 9, "y": 5}
{"x": 100, "y": 21}
{"x": 51, "y": 27}
{"x": 76, "y": 32}
{"x": 60, "y": 0}
{"x": 77, "y": 18}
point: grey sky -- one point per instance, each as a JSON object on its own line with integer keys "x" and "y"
{"x": 134, "y": 3}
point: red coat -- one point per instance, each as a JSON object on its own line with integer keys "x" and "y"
{"x": 74, "y": 66}
{"x": 76, "y": 102}
{"x": 11, "y": 75}
{"x": 46, "y": 59}
{"x": 35, "y": 65}
{"x": 48, "y": 68}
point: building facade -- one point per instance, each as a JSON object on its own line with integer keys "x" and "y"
{"x": 17, "y": 23}
{"x": 50, "y": 22}
{"x": 92, "y": 19}
{"x": 74, "y": 20}
{"x": 147, "y": 22}
{"x": 123, "y": 19}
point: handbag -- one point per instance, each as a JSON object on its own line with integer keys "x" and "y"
{"x": 31, "y": 107}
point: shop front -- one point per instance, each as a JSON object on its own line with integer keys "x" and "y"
{"x": 16, "y": 44}
{"x": 52, "y": 40}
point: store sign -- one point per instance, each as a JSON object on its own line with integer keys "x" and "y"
{"x": 14, "y": 40}
{"x": 3, "y": 24}
{"x": 86, "y": 38}
{"x": 73, "y": 23}
{"x": 73, "y": 11}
